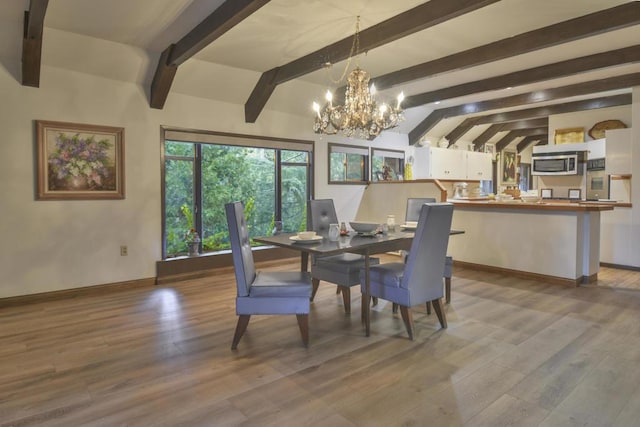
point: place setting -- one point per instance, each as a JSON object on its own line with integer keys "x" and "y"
{"x": 306, "y": 237}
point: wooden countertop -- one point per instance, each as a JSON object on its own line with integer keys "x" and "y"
{"x": 541, "y": 206}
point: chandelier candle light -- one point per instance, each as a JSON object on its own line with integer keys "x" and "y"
{"x": 360, "y": 116}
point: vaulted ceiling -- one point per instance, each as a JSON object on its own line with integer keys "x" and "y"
{"x": 482, "y": 70}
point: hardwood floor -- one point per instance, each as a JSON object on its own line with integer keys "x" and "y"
{"x": 517, "y": 352}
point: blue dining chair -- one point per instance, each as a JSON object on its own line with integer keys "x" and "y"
{"x": 419, "y": 280}
{"x": 412, "y": 214}
{"x": 281, "y": 292}
{"x": 342, "y": 269}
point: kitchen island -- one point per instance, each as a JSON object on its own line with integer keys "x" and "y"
{"x": 553, "y": 241}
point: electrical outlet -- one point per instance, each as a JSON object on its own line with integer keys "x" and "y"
{"x": 124, "y": 251}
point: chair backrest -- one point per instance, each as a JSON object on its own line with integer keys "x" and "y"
{"x": 414, "y": 205}
{"x": 425, "y": 264}
{"x": 240, "y": 247}
{"x": 322, "y": 213}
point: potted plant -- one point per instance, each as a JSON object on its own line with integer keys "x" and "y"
{"x": 191, "y": 237}
{"x": 193, "y": 242}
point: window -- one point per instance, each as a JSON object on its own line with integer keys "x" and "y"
{"x": 348, "y": 164}
{"x": 387, "y": 165}
{"x": 204, "y": 171}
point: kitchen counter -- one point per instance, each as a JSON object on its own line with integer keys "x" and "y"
{"x": 554, "y": 241}
{"x": 541, "y": 206}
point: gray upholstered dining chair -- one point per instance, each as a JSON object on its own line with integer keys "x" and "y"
{"x": 412, "y": 214}
{"x": 419, "y": 280}
{"x": 281, "y": 292}
{"x": 342, "y": 269}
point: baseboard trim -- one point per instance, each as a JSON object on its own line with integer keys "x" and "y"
{"x": 524, "y": 274}
{"x": 620, "y": 266}
{"x": 76, "y": 292}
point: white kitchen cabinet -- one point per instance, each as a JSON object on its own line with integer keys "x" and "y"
{"x": 439, "y": 163}
{"x": 479, "y": 166}
{"x": 618, "y": 158}
{"x": 456, "y": 165}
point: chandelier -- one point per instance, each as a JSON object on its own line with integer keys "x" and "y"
{"x": 360, "y": 116}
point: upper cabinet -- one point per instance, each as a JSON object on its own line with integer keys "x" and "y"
{"x": 448, "y": 164}
{"x": 479, "y": 166}
{"x": 618, "y": 151}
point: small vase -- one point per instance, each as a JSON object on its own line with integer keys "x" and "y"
{"x": 193, "y": 248}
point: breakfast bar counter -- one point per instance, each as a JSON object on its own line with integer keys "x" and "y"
{"x": 554, "y": 241}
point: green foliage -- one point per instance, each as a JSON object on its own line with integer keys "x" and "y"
{"x": 229, "y": 174}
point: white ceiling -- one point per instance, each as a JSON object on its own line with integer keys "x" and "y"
{"x": 284, "y": 30}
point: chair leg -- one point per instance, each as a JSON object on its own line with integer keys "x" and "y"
{"x": 394, "y": 308}
{"x": 429, "y": 307}
{"x": 315, "y": 283}
{"x": 338, "y": 290}
{"x": 437, "y": 307}
{"x": 407, "y": 318}
{"x": 447, "y": 289}
{"x": 241, "y": 326}
{"x": 303, "y": 324}
{"x": 346, "y": 299}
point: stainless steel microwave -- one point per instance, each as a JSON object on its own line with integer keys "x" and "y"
{"x": 556, "y": 164}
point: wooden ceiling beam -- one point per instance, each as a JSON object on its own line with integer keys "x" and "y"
{"x": 492, "y": 130}
{"x": 615, "y": 18}
{"x": 528, "y": 140}
{"x": 556, "y": 70}
{"x": 602, "y": 85}
{"x": 226, "y": 16}
{"x": 417, "y": 19}
{"x": 32, "y": 42}
{"x": 531, "y": 113}
{"x": 508, "y": 138}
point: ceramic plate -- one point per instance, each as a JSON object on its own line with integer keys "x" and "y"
{"x": 312, "y": 240}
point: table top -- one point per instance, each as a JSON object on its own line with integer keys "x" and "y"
{"x": 351, "y": 243}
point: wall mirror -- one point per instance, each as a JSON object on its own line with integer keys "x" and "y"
{"x": 348, "y": 164}
{"x": 387, "y": 165}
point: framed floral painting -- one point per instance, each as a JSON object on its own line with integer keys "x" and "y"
{"x": 79, "y": 161}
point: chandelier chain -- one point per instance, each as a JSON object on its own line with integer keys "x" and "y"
{"x": 354, "y": 52}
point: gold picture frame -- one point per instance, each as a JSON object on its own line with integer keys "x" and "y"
{"x": 79, "y": 161}
{"x": 568, "y": 136}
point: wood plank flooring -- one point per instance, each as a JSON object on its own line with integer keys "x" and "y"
{"x": 517, "y": 352}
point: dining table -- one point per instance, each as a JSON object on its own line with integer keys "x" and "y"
{"x": 358, "y": 243}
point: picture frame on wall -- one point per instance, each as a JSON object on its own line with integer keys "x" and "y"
{"x": 569, "y": 136}
{"x": 79, "y": 161}
{"x": 509, "y": 167}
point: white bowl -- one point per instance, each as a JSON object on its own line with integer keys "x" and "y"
{"x": 306, "y": 235}
{"x": 412, "y": 224}
{"x": 363, "y": 227}
{"x": 504, "y": 197}
{"x": 530, "y": 199}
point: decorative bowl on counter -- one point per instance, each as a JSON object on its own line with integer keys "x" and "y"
{"x": 530, "y": 198}
{"x": 364, "y": 227}
{"x": 503, "y": 197}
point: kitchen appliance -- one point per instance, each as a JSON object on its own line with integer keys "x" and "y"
{"x": 597, "y": 180}
{"x": 562, "y": 163}
{"x": 460, "y": 190}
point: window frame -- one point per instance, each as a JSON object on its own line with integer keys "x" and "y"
{"x": 349, "y": 149}
{"x": 403, "y": 160}
{"x": 198, "y": 138}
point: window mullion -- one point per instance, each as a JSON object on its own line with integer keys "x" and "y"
{"x": 197, "y": 197}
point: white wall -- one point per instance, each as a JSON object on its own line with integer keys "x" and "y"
{"x": 587, "y": 119}
{"x": 56, "y": 245}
